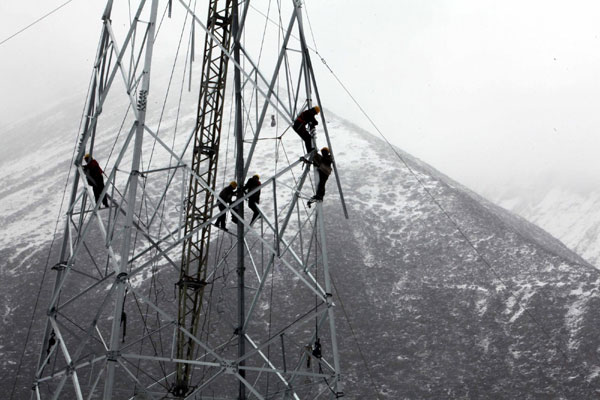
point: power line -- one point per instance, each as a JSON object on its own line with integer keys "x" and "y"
{"x": 35, "y": 22}
{"x": 556, "y": 342}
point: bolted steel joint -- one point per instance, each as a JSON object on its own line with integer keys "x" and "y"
{"x": 112, "y": 355}
{"x": 339, "y": 392}
{"x": 329, "y": 300}
{"x": 230, "y": 367}
{"x": 70, "y": 369}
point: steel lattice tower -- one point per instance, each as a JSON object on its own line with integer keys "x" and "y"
{"x": 251, "y": 314}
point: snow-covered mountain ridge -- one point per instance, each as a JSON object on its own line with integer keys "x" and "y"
{"x": 567, "y": 212}
{"x": 433, "y": 319}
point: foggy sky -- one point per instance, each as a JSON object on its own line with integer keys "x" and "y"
{"x": 489, "y": 92}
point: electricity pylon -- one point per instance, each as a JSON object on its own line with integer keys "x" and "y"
{"x": 255, "y": 322}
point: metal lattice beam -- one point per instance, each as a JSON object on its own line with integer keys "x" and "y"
{"x": 115, "y": 264}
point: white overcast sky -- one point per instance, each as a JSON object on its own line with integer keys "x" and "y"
{"x": 487, "y": 91}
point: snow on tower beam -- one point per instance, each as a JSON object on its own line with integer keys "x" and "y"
{"x": 200, "y": 200}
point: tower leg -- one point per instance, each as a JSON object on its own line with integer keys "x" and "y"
{"x": 113, "y": 351}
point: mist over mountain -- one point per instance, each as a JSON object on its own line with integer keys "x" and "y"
{"x": 432, "y": 317}
{"x": 563, "y": 205}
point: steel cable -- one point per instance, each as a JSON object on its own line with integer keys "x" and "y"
{"x": 557, "y": 344}
{"x": 35, "y": 22}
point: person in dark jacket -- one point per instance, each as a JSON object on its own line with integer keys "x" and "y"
{"x": 93, "y": 173}
{"x": 306, "y": 118}
{"x": 226, "y": 196}
{"x": 51, "y": 343}
{"x": 317, "y": 350}
{"x": 254, "y": 199}
{"x": 323, "y": 163}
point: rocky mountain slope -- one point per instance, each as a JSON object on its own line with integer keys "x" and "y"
{"x": 432, "y": 317}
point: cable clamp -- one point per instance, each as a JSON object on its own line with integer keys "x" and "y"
{"x": 122, "y": 277}
{"x": 60, "y": 266}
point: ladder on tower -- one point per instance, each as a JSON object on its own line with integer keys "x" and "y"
{"x": 200, "y": 200}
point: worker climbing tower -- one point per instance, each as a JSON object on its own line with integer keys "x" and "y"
{"x": 149, "y": 299}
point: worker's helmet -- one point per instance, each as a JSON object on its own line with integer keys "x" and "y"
{"x": 317, "y": 109}
{"x": 233, "y": 184}
{"x": 87, "y": 156}
{"x": 256, "y": 176}
{"x": 325, "y": 150}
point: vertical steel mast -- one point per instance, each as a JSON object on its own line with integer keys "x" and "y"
{"x": 250, "y": 313}
{"x": 239, "y": 173}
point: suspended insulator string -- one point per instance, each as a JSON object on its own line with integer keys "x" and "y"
{"x": 35, "y": 22}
